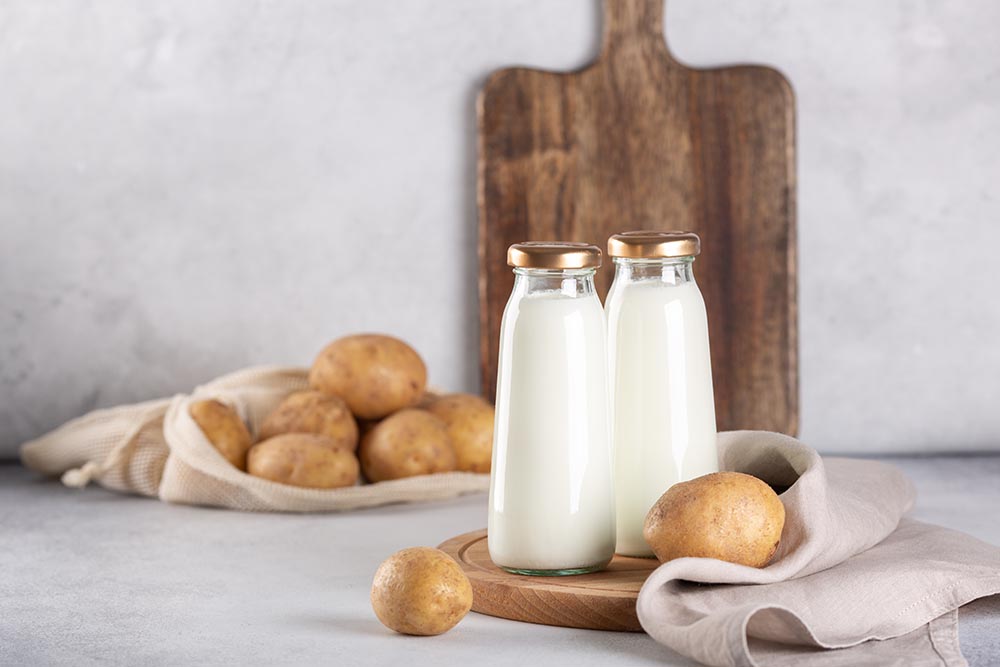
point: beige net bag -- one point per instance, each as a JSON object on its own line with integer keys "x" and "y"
{"x": 156, "y": 449}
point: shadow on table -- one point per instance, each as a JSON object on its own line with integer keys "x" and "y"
{"x": 983, "y": 607}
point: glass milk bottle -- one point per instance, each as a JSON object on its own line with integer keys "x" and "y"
{"x": 551, "y": 505}
{"x": 661, "y": 375}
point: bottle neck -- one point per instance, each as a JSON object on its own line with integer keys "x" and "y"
{"x": 570, "y": 283}
{"x": 668, "y": 270}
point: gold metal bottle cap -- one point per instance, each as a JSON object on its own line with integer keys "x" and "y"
{"x": 554, "y": 255}
{"x": 641, "y": 245}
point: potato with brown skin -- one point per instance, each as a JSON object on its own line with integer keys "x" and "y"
{"x": 410, "y": 442}
{"x": 420, "y": 591}
{"x": 470, "y": 425}
{"x": 224, "y": 429}
{"x": 376, "y": 375}
{"x": 725, "y": 515}
{"x": 303, "y": 459}
{"x": 312, "y": 411}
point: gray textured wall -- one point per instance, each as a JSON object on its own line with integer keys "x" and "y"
{"x": 188, "y": 187}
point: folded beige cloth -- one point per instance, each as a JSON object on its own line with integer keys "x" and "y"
{"x": 850, "y": 568}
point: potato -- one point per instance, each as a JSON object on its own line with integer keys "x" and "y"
{"x": 375, "y": 375}
{"x": 420, "y": 591}
{"x": 303, "y": 459}
{"x": 725, "y": 515}
{"x": 224, "y": 429}
{"x": 313, "y": 412}
{"x": 470, "y": 425}
{"x": 410, "y": 442}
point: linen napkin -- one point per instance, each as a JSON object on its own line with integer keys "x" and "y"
{"x": 850, "y": 568}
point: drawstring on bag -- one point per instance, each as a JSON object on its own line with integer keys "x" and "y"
{"x": 78, "y": 478}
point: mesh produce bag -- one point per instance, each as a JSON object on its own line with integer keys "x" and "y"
{"x": 156, "y": 449}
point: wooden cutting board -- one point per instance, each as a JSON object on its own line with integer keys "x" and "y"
{"x": 637, "y": 140}
{"x": 599, "y": 601}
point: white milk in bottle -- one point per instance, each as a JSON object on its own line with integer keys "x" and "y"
{"x": 661, "y": 375}
{"x": 551, "y": 505}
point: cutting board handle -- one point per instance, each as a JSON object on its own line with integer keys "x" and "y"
{"x": 632, "y": 21}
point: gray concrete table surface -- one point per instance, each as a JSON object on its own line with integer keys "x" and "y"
{"x": 94, "y": 577}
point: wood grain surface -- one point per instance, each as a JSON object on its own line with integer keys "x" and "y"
{"x": 599, "y": 601}
{"x": 637, "y": 140}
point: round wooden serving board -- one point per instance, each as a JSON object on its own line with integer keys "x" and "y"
{"x": 599, "y": 601}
